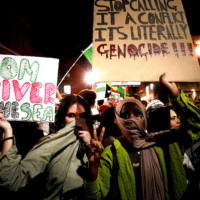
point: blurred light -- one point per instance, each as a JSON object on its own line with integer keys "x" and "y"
{"x": 147, "y": 92}
{"x": 134, "y": 83}
{"x": 197, "y": 48}
{"x": 116, "y": 83}
{"x": 126, "y": 83}
{"x": 144, "y": 98}
{"x": 193, "y": 94}
{"x": 57, "y": 101}
{"x": 67, "y": 89}
{"x": 91, "y": 77}
{"x": 151, "y": 86}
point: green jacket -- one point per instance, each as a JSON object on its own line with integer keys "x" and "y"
{"x": 170, "y": 156}
{"x": 54, "y": 160}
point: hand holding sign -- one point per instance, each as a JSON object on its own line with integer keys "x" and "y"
{"x": 170, "y": 87}
{"x": 5, "y": 126}
{"x": 6, "y": 138}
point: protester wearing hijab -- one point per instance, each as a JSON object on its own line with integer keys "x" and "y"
{"x": 136, "y": 168}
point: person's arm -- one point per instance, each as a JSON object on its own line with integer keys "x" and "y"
{"x": 97, "y": 187}
{"x": 58, "y": 95}
{"x": 6, "y": 134}
{"x": 94, "y": 151}
{"x": 171, "y": 88}
{"x": 184, "y": 107}
{"x": 16, "y": 173}
{"x": 98, "y": 178}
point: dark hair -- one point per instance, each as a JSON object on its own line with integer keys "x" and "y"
{"x": 159, "y": 119}
{"x": 111, "y": 128}
{"x": 89, "y": 96}
{"x": 144, "y": 103}
{"x": 66, "y": 102}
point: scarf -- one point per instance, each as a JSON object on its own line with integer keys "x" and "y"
{"x": 151, "y": 173}
{"x": 67, "y": 156}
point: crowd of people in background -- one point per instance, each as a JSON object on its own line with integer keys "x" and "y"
{"x": 132, "y": 150}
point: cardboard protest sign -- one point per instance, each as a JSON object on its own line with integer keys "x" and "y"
{"x": 138, "y": 40}
{"x": 28, "y": 87}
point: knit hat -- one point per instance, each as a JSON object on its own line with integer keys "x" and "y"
{"x": 153, "y": 105}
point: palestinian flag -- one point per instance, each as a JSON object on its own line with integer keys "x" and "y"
{"x": 119, "y": 90}
{"x": 116, "y": 90}
{"x": 88, "y": 53}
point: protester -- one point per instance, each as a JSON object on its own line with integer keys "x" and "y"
{"x": 135, "y": 168}
{"x": 165, "y": 118}
{"x": 152, "y": 120}
{"x": 55, "y": 167}
{"x": 162, "y": 118}
{"x": 90, "y": 97}
{"x": 159, "y": 120}
{"x": 110, "y": 101}
{"x": 112, "y": 131}
{"x": 102, "y": 110}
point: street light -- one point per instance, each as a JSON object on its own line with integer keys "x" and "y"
{"x": 151, "y": 86}
{"x": 67, "y": 89}
{"x": 197, "y": 48}
{"x": 91, "y": 77}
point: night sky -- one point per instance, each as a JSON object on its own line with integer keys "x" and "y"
{"x": 60, "y": 29}
{"x": 64, "y": 30}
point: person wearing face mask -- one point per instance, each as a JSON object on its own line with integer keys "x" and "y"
{"x": 56, "y": 166}
{"x": 135, "y": 167}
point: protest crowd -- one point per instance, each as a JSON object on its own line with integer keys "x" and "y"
{"x": 132, "y": 150}
{"x": 80, "y": 146}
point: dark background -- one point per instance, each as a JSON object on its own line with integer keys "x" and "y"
{"x": 64, "y": 29}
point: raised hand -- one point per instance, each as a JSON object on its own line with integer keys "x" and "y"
{"x": 95, "y": 146}
{"x": 84, "y": 133}
{"x": 94, "y": 151}
{"x": 170, "y": 87}
{"x": 7, "y": 136}
{"x": 85, "y": 136}
{"x": 5, "y": 127}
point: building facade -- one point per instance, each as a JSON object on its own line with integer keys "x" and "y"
{"x": 15, "y": 34}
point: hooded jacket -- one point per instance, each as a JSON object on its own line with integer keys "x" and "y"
{"x": 57, "y": 162}
{"x": 170, "y": 156}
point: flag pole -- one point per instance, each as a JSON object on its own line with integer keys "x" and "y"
{"x": 74, "y": 64}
